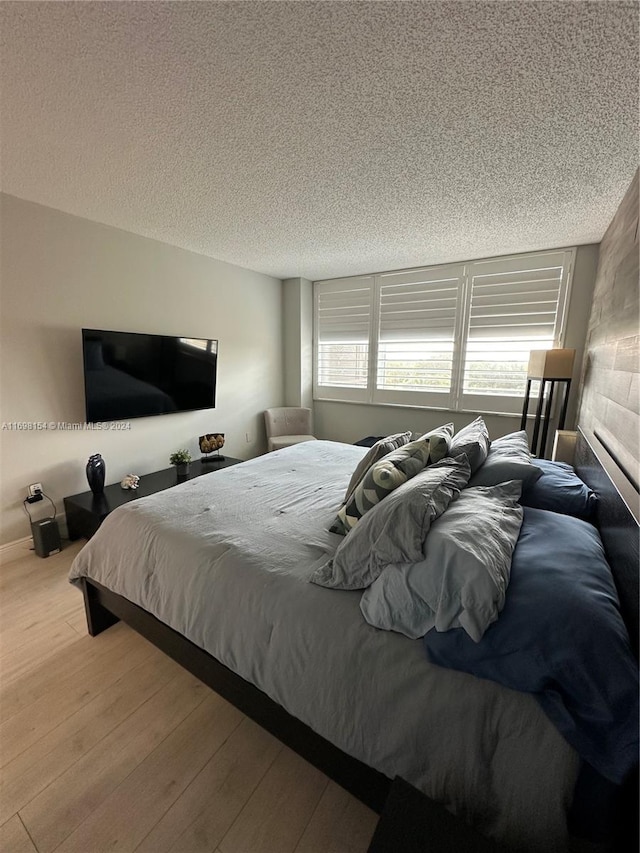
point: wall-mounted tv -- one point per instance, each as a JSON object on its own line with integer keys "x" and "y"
{"x": 131, "y": 375}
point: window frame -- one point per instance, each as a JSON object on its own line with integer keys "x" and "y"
{"x": 455, "y": 400}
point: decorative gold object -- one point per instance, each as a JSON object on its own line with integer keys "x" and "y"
{"x": 211, "y": 444}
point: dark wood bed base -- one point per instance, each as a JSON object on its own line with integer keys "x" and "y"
{"x": 104, "y": 608}
{"x": 618, "y": 522}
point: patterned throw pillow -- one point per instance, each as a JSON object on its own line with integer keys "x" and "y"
{"x": 395, "y": 529}
{"x": 386, "y": 475}
{"x": 376, "y": 452}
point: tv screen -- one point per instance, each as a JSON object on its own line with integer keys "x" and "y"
{"x": 129, "y": 375}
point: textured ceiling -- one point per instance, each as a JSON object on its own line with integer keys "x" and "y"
{"x": 325, "y": 138}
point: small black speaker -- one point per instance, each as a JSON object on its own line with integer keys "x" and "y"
{"x": 46, "y": 537}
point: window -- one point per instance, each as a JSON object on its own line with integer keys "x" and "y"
{"x": 514, "y": 305}
{"x": 343, "y": 314}
{"x": 417, "y": 316}
{"x": 454, "y": 337}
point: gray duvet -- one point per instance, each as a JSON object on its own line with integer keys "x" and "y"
{"x": 225, "y": 559}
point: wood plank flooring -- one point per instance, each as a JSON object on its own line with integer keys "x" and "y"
{"x": 108, "y": 745}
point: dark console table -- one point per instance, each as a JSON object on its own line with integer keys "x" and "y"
{"x": 86, "y": 512}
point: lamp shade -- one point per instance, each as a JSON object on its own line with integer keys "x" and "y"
{"x": 551, "y": 364}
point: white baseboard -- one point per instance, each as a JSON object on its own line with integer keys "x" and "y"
{"x": 16, "y": 549}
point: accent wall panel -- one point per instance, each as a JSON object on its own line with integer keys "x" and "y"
{"x": 610, "y": 402}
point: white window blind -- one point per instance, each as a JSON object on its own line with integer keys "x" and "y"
{"x": 417, "y": 318}
{"x": 343, "y": 315}
{"x": 454, "y": 337}
{"x": 515, "y": 305}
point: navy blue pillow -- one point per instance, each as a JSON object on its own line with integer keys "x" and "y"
{"x": 560, "y": 636}
{"x": 559, "y": 489}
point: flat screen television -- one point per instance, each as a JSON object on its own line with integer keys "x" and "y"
{"x": 131, "y": 375}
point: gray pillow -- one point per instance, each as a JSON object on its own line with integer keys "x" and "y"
{"x": 394, "y": 530}
{"x": 386, "y": 475}
{"x": 514, "y": 444}
{"x": 498, "y": 469}
{"x": 461, "y": 580}
{"x": 473, "y": 441}
{"x": 379, "y": 449}
{"x": 509, "y": 458}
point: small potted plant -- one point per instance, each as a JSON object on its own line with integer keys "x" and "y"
{"x": 181, "y": 459}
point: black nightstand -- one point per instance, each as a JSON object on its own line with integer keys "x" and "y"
{"x": 412, "y": 823}
{"x": 86, "y": 512}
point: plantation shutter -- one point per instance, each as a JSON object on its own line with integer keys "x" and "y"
{"x": 418, "y": 317}
{"x": 456, "y": 336}
{"x": 343, "y": 318}
{"x": 514, "y": 305}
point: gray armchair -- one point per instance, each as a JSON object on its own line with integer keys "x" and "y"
{"x": 287, "y": 425}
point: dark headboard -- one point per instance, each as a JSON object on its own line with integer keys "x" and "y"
{"x": 618, "y": 520}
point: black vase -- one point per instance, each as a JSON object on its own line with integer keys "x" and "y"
{"x": 96, "y": 470}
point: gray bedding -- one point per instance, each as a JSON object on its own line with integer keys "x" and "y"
{"x": 225, "y": 559}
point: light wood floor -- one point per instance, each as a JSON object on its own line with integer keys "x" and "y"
{"x": 106, "y": 744}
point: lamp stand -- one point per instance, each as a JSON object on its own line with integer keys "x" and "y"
{"x": 540, "y": 452}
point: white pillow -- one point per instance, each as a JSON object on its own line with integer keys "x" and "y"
{"x": 462, "y": 580}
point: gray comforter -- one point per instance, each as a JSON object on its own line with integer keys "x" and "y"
{"x": 225, "y": 560}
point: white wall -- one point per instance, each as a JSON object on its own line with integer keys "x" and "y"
{"x": 297, "y": 306}
{"x": 60, "y": 273}
{"x": 352, "y": 421}
{"x": 291, "y": 341}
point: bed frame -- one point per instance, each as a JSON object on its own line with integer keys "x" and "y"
{"x": 618, "y": 522}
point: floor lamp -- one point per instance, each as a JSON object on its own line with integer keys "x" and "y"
{"x": 547, "y": 366}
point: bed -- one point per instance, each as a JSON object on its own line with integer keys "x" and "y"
{"x": 216, "y": 573}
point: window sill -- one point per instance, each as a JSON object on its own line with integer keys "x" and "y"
{"x": 511, "y": 415}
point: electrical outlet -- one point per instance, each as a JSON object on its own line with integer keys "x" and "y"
{"x": 35, "y": 489}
